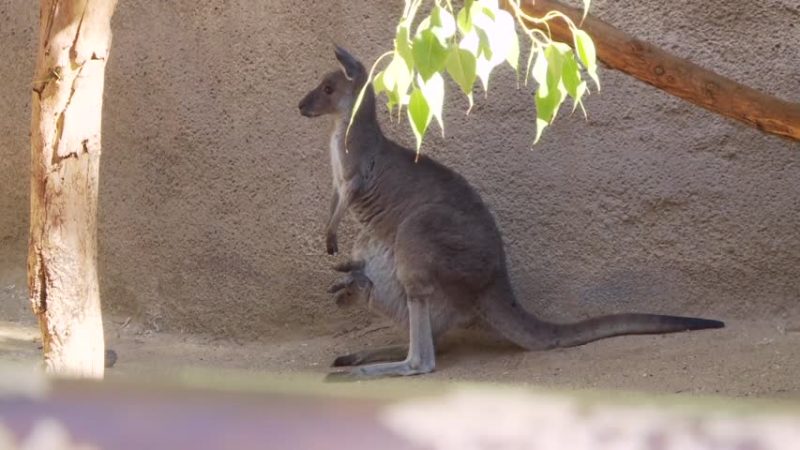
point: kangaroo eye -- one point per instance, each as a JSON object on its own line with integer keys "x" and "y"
{"x": 328, "y": 90}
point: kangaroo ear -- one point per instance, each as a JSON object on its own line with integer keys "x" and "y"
{"x": 351, "y": 67}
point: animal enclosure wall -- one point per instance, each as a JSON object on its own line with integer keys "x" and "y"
{"x": 214, "y": 189}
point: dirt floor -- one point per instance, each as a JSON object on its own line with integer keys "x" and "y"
{"x": 747, "y": 359}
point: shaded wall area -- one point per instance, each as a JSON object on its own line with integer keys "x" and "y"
{"x": 214, "y": 190}
{"x": 18, "y": 29}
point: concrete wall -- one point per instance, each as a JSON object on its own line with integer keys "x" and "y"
{"x": 214, "y": 189}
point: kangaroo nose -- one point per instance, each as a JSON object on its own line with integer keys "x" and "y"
{"x": 303, "y": 106}
{"x": 306, "y": 107}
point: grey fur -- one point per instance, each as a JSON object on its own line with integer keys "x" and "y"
{"x": 429, "y": 254}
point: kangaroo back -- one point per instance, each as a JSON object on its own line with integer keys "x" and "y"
{"x": 500, "y": 310}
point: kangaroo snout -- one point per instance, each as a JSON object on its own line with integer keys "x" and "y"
{"x": 304, "y": 109}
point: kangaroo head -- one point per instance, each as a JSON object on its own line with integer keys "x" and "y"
{"x": 338, "y": 90}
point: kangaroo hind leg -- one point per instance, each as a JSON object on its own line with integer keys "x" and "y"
{"x": 421, "y": 356}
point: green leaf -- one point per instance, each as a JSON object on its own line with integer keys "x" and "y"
{"x": 436, "y": 16}
{"x": 547, "y": 103}
{"x": 429, "y": 54}
{"x": 539, "y": 71}
{"x": 443, "y": 24}
{"x": 483, "y": 24}
{"x": 483, "y": 67}
{"x": 403, "y": 46}
{"x": 426, "y": 23}
{"x": 471, "y": 42}
{"x": 489, "y": 12}
{"x": 540, "y": 126}
{"x": 464, "y": 17}
{"x": 392, "y": 100}
{"x": 488, "y": 40}
{"x": 433, "y": 90}
{"x": 484, "y": 46}
{"x": 489, "y": 8}
{"x": 571, "y": 75}
{"x": 397, "y": 78}
{"x": 498, "y": 40}
{"x": 419, "y": 115}
{"x": 585, "y": 116}
{"x": 509, "y": 39}
{"x": 561, "y": 47}
{"x": 550, "y": 93}
{"x": 587, "y": 53}
{"x": 513, "y": 55}
{"x": 461, "y": 67}
{"x": 579, "y": 92}
{"x": 377, "y": 84}
{"x": 585, "y": 47}
{"x": 555, "y": 64}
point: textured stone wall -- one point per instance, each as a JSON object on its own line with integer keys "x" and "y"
{"x": 214, "y": 189}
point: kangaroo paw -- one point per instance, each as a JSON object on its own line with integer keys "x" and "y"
{"x": 351, "y": 287}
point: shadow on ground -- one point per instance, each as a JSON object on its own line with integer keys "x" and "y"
{"x": 746, "y": 359}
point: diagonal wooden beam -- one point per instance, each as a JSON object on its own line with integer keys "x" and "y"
{"x": 672, "y": 74}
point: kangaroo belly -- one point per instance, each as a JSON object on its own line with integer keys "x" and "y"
{"x": 388, "y": 296}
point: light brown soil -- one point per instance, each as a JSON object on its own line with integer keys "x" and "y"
{"x": 745, "y": 359}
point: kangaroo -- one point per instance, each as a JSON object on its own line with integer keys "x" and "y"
{"x": 429, "y": 254}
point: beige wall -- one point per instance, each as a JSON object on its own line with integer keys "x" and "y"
{"x": 214, "y": 189}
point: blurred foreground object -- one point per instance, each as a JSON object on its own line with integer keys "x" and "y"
{"x": 204, "y": 410}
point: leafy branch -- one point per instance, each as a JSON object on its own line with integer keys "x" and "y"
{"x": 468, "y": 44}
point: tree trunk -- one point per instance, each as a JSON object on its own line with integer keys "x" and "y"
{"x": 674, "y": 75}
{"x": 74, "y": 39}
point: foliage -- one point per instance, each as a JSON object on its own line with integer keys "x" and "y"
{"x": 469, "y": 44}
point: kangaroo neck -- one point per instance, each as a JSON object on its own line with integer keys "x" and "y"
{"x": 365, "y": 135}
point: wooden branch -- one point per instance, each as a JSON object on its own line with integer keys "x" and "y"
{"x": 674, "y": 75}
{"x": 66, "y": 105}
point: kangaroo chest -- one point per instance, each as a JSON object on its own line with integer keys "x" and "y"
{"x": 337, "y": 153}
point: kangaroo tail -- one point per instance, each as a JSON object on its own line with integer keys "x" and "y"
{"x": 501, "y": 311}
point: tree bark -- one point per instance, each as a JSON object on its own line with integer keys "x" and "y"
{"x": 674, "y": 75}
{"x": 74, "y": 39}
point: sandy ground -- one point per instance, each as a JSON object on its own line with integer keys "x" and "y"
{"x": 746, "y": 359}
